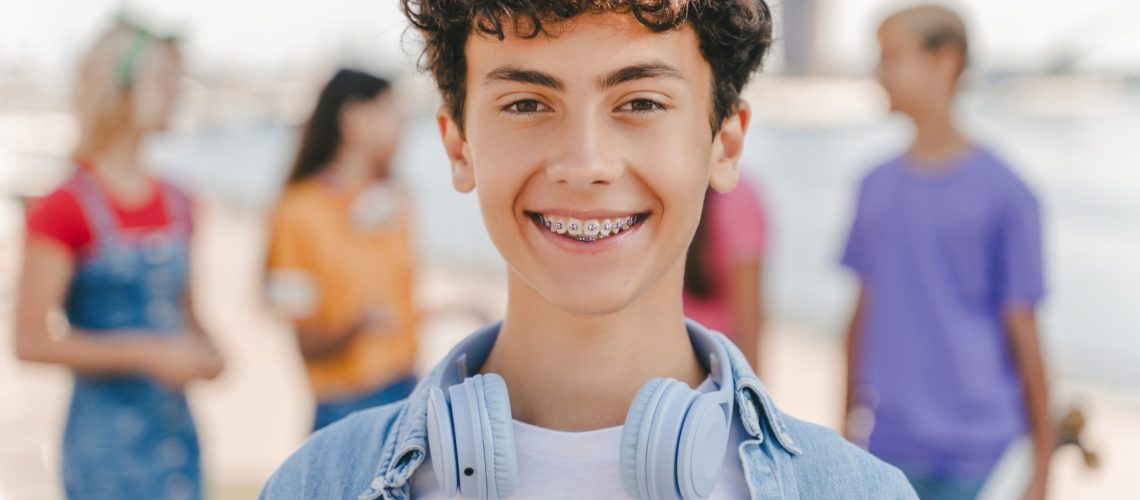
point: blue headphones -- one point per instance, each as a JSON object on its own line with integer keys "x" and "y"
{"x": 672, "y": 444}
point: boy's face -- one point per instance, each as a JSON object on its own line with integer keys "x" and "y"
{"x": 605, "y": 122}
{"x": 913, "y": 77}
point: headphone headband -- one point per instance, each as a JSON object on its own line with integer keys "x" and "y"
{"x": 468, "y": 356}
{"x": 673, "y": 440}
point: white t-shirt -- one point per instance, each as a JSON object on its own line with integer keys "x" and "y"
{"x": 576, "y": 465}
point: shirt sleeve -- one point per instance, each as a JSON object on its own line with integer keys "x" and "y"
{"x": 59, "y": 217}
{"x": 1022, "y": 276}
{"x": 741, "y": 223}
{"x": 853, "y": 257}
{"x": 290, "y": 286}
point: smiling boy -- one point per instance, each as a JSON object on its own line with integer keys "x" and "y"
{"x": 592, "y": 130}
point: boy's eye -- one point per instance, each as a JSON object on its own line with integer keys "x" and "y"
{"x": 525, "y": 106}
{"x": 641, "y": 106}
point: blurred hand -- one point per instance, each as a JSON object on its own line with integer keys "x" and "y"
{"x": 375, "y": 319}
{"x": 212, "y": 362}
{"x": 175, "y": 362}
{"x": 857, "y": 425}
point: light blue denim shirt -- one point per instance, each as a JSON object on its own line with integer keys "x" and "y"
{"x": 373, "y": 454}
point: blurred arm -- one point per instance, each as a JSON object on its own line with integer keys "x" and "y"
{"x": 317, "y": 343}
{"x": 212, "y": 361}
{"x": 1021, "y": 329}
{"x": 47, "y": 271}
{"x": 292, "y": 287}
{"x": 851, "y": 346}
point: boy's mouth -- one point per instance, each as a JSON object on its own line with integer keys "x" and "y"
{"x": 588, "y": 230}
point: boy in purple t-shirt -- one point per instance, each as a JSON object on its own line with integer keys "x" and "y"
{"x": 943, "y": 348}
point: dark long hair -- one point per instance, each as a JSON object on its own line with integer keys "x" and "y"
{"x": 698, "y": 278}
{"x": 322, "y": 134}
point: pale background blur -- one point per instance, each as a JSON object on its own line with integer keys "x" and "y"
{"x": 1054, "y": 87}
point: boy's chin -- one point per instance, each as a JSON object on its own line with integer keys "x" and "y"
{"x": 589, "y": 301}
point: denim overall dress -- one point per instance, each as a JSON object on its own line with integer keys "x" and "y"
{"x": 127, "y": 437}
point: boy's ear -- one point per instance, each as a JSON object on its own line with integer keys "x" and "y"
{"x": 728, "y": 145}
{"x": 462, "y": 175}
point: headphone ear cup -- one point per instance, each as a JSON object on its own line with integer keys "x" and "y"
{"x": 441, "y": 443}
{"x": 634, "y": 460}
{"x": 498, "y": 436}
{"x": 700, "y": 453}
{"x": 653, "y": 438}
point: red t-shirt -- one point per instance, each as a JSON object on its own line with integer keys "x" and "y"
{"x": 61, "y": 216}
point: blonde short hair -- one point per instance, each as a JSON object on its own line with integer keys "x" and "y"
{"x": 101, "y": 95}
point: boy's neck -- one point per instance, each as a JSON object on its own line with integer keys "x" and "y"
{"x": 936, "y": 138}
{"x": 573, "y": 372}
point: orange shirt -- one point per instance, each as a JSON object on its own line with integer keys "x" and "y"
{"x": 350, "y": 271}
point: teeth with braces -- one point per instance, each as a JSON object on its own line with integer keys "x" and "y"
{"x": 587, "y": 230}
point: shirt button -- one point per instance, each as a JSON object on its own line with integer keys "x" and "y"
{"x": 377, "y": 483}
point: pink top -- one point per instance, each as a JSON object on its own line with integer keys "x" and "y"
{"x": 737, "y": 231}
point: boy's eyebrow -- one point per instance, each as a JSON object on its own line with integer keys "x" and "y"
{"x": 533, "y": 77}
{"x": 617, "y": 77}
{"x": 638, "y": 72}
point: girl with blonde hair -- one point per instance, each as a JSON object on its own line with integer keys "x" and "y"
{"x": 110, "y": 249}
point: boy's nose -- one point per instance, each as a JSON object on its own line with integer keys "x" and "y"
{"x": 582, "y": 157}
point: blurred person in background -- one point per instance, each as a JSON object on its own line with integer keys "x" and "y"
{"x": 110, "y": 248}
{"x": 944, "y": 365}
{"x": 724, "y": 267}
{"x": 340, "y": 258}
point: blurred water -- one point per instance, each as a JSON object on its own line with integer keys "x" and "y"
{"x": 1081, "y": 165}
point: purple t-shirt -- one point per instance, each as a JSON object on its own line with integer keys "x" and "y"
{"x": 942, "y": 252}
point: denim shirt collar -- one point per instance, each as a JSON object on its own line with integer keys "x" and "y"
{"x": 405, "y": 446}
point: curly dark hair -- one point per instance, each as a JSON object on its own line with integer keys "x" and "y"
{"x": 734, "y": 35}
